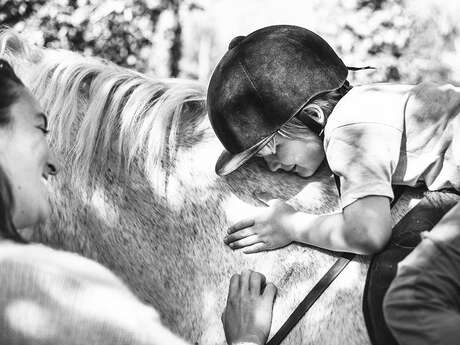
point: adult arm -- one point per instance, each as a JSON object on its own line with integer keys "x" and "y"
{"x": 422, "y": 305}
{"x": 248, "y": 314}
{"x": 53, "y": 297}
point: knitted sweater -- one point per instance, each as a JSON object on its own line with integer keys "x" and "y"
{"x": 49, "y": 296}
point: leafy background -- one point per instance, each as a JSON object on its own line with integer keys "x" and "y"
{"x": 406, "y": 40}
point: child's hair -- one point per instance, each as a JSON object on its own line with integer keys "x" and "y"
{"x": 9, "y": 93}
{"x": 320, "y": 106}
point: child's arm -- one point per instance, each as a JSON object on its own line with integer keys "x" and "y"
{"x": 364, "y": 227}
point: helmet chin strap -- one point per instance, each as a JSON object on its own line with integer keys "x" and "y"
{"x": 312, "y": 125}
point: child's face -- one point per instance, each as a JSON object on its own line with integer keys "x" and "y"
{"x": 301, "y": 156}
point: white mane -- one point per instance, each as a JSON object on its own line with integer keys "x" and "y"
{"x": 97, "y": 109}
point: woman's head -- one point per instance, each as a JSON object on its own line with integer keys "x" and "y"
{"x": 24, "y": 152}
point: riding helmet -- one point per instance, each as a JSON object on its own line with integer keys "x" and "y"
{"x": 263, "y": 81}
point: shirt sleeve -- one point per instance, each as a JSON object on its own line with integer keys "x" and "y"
{"x": 364, "y": 156}
{"x": 54, "y": 297}
{"x": 422, "y": 305}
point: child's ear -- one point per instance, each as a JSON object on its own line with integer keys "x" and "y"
{"x": 315, "y": 112}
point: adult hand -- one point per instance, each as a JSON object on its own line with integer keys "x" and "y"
{"x": 272, "y": 228}
{"x": 247, "y": 317}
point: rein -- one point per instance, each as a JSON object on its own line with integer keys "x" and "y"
{"x": 311, "y": 298}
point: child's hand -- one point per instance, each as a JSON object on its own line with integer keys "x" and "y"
{"x": 270, "y": 229}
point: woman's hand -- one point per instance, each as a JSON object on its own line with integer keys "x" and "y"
{"x": 272, "y": 228}
{"x": 247, "y": 317}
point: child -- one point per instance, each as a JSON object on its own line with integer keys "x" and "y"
{"x": 281, "y": 93}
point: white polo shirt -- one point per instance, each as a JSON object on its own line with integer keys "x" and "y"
{"x": 383, "y": 134}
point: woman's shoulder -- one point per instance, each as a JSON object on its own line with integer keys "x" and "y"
{"x": 80, "y": 298}
{"x": 40, "y": 258}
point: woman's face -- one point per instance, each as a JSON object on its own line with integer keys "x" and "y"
{"x": 301, "y": 156}
{"x": 25, "y": 157}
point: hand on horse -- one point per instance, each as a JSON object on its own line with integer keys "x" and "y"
{"x": 270, "y": 229}
{"x": 247, "y": 317}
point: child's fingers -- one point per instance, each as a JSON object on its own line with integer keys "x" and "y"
{"x": 272, "y": 202}
{"x": 263, "y": 197}
{"x": 255, "y": 248}
{"x": 241, "y": 225}
{"x": 238, "y": 235}
{"x": 270, "y": 291}
{"x": 244, "y": 242}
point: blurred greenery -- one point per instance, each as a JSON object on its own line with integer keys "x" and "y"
{"x": 402, "y": 44}
{"x": 120, "y": 31}
{"x": 406, "y": 40}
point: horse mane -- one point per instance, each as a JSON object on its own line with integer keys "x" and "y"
{"x": 97, "y": 109}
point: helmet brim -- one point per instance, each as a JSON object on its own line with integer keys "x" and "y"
{"x": 229, "y": 162}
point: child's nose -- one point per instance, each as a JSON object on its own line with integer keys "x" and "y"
{"x": 273, "y": 164}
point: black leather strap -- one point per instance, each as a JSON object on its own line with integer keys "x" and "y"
{"x": 311, "y": 298}
{"x": 313, "y": 125}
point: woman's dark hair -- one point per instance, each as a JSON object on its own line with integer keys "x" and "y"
{"x": 7, "y": 228}
{"x": 9, "y": 90}
{"x": 10, "y": 86}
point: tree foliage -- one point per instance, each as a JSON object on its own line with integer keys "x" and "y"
{"x": 119, "y": 30}
{"x": 400, "y": 42}
{"x": 406, "y": 40}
